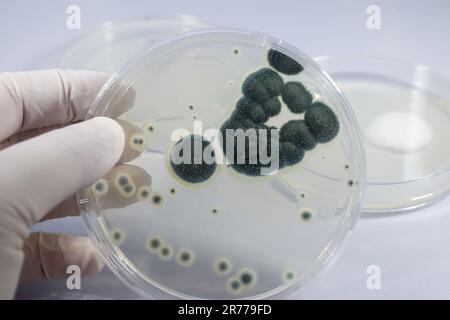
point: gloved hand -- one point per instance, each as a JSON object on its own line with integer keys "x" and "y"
{"x": 44, "y": 159}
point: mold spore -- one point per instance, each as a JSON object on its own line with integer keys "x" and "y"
{"x": 262, "y": 85}
{"x": 192, "y": 168}
{"x": 322, "y": 122}
{"x": 282, "y": 63}
{"x": 154, "y": 243}
{"x": 297, "y": 132}
{"x": 296, "y": 97}
{"x": 157, "y": 198}
{"x": 185, "y": 257}
{"x": 101, "y": 187}
{"x": 222, "y": 266}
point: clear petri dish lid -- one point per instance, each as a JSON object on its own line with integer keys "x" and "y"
{"x": 112, "y": 45}
{"x": 223, "y": 229}
{"x": 404, "y": 114}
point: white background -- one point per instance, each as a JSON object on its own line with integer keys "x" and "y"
{"x": 412, "y": 249}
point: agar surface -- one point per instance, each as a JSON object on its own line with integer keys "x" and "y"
{"x": 282, "y": 63}
{"x": 296, "y": 97}
{"x": 192, "y": 168}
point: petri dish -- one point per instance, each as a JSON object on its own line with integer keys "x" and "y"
{"x": 403, "y": 110}
{"x": 111, "y": 46}
{"x": 235, "y": 234}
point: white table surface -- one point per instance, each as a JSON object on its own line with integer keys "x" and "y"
{"x": 412, "y": 250}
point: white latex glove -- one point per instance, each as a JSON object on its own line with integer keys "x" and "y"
{"x": 43, "y": 162}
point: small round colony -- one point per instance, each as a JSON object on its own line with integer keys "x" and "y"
{"x": 234, "y": 285}
{"x": 157, "y": 198}
{"x": 282, "y": 63}
{"x": 307, "y": 215}
{"x": 117, "y": 236}
{"x": 289, "y": 276}
{"x": 222, "y": 266}
{"x": 247, "y": 277}
{"x": 262, "y": 85}
{"x": 322, "y": 122}
{"x": 138, "y": 142}
{"x": 296, "y": 97}
{"x": 165, "y": 252}
{"x": 185, "y": 257}
{"x": 144, "y": 193}
{"x": 100, "y": 188}
{"x": 154, "y": 243}
{"x": 193, "y": 167}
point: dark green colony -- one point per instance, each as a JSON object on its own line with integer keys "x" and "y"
{"x": 262, "y": 85}
{"x": 272, "y": 107}
{"x": 242, "y": 161}
{"x": 296, "y": 97}
{"x": 252, "y": 110}
{"x": 322, "y": 122}
{"x": 192, "y": 171}
{"x": 297, "y": 132}
{"x": 290, "y": 154}
{"x": 282, "y": 63}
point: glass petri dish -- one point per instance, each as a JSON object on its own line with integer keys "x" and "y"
{"x": 112, "y": 45}
{"x": 404, "y": 114}
{"x": 234, "y": 235}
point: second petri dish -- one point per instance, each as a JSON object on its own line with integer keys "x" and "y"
{"x": 404, "y": 113}
{"x": 236, "y": 233}
{"x": 110, "y": 47}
